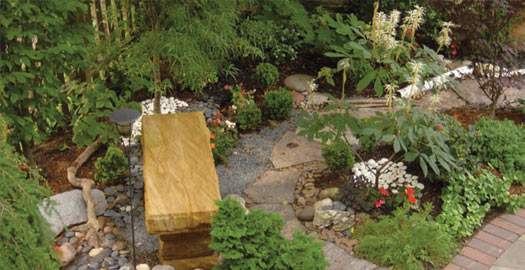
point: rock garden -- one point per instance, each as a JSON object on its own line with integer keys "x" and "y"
{"x": 269, "y": 135}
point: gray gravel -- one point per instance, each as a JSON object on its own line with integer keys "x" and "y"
{"x": 251, "y": 157}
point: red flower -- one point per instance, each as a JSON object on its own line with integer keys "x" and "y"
{"x": 416, "y": 44}
{"x": 57, "y": 248}
{"x": 218, "y": 112}
{"x": 453, "y": 45}
{"x": 379, "y": 203}
{"x": 226, "y": 87}
{"x": 409, "y": 191}
{"x": 456, "y": 117}
{"x": 453, "y": 52}
{"x": 412, "y": 199}
{"x": 240, "y": 104}
{"x": 243, "y": 91}
{"x": 383, "y": 191}
{"x": 439, "y": 127}
{"x": 212, "y": 136}
{"x": 240, "y": 84}
{"x": 212, "y": 146}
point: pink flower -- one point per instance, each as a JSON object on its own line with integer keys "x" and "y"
{"x": 226, "y": 87}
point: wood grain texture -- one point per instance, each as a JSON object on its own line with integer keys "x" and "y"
{"x": 180, "y": 179}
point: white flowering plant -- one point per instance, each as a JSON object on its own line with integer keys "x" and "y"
{"x": 375, "y": 57}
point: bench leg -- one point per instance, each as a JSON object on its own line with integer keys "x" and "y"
{"x": 187, "y": 250}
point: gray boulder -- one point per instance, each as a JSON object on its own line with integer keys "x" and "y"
{"x": 68, "y": 208}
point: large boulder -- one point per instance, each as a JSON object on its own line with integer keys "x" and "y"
{"x": 68, "y": 208}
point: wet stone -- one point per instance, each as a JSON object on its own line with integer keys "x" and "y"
{"x": 93, "y": 265}
{"x": 73, "y": 240}
{"x": 62, "y": 241}
{"x": 120, "y": 188}
{"x": 82, "y": 260}
{"x": 140, "y": 209}
{"x": 86, "y": 249}
{"x": 114, "y": 254}
{"x": 108, "y": 261}
{"x": 122, "y": 261}
{"x": 111, "y": 213}
{"x": 139, "y": 185}
{"x": 70, "y": 234}
{"x": 110, "y": 199}
{"x": 119, "y": 222}
{"x": 110, "y": 236}
{"x": 83, "y": 267}
{"x": 109, "y": 190}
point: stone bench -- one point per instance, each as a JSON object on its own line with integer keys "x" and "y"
{"x": 181, "y": 186}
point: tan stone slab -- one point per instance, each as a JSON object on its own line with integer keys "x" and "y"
{"x": 180, "y": 180}
{"x": 185, "y": 245}
{"x": 273, "y": 187}
{"x": 190, "y": 264}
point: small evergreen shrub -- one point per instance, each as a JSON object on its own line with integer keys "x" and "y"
{"x": 266, "y": 75}
{"x": 222, "y": 143}
{"x": 253, "y": 241}
{"x": 278, "y": 104}
{"x": 248, "y": 116}
{"x": 111, "y": 166}
{"x": 338, "y": 155}
{"x": 26, "y": 240}
{"x": 405, "y": 242}
{"x": 468, "y": 198}
{"x": 502, "y": 144}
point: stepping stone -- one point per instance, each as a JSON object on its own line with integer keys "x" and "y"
{"x": 340, "y": 260}
{"x": 293, "y": 150}
{"x": 513, "y": 257}
{"x": 272, "y": 188}
{"x": 286, "y": 211}
{"x": 298, "y": 82}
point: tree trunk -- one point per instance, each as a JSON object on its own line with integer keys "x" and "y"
{"x": 85, "y": 183}
{"x": 105, "y": 20}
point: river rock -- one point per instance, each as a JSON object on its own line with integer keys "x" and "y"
{"x": 67, "y": 253}
{"x": 68, "y": 208}
{"x": 298, "y": 82}
{"x": 323, "y": 204}
{"x": 163, "y": 267}
{"x": 341, "y": 220}
{"x": 306, "y": 213}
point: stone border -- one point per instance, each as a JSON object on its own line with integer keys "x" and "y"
{"x": 458, "y": 73}
{"x": 490, "y": 242}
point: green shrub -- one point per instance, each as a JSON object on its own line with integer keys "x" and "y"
{"x": 405, "y": 242}
{"x": 338, "y": 155}
{"x": 266, "y": 75}
{"x": 253, "y": 241}
{"x": 111, "y": 166}
{"x": 248, "y": 116}
{"x": 468, "y": 198}
{"x": 278, "y": 104}
{"x": 26, "y": 241}
{"x": 223, "y": 143}
{"x": 502, "y": 144}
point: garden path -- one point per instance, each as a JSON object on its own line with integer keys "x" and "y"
{"x": 499, "y": 245}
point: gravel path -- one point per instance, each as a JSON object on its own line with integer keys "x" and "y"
{"x": 251, "y": 157}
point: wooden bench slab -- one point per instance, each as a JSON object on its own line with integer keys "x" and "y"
{"x": 180, "y": 179}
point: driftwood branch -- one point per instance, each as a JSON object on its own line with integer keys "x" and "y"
{"x": 85, "y": 183}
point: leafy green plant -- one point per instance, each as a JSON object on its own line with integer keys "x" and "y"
{"x": 34, "y": 60}
{"x": 111, "y": 166}
{"x": 222, "y": 144}
{"x": 502, "y": 144}
{"x": 253, "y": 241}
{"x": 376, "y": 56}
{"x": 405, "y": 242}
{"x": 266, "y": 75}
{"x": 338, "y": 156}
{"x": 90, "y": 106}
{"x": 413, "y": 134}
{"x": 278, "y": 104}
{"x": 468, "y": 198}
{"x": 248, "y": 116}
{"x": 358, "y": 194}
{"x": 26, "y": 240}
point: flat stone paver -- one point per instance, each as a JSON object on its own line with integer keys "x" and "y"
{"x": 273, "y": 187}
{"x": 340, "y": 260}
{"x": 293, "y": 150}
{"x": 499, "y": 245}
